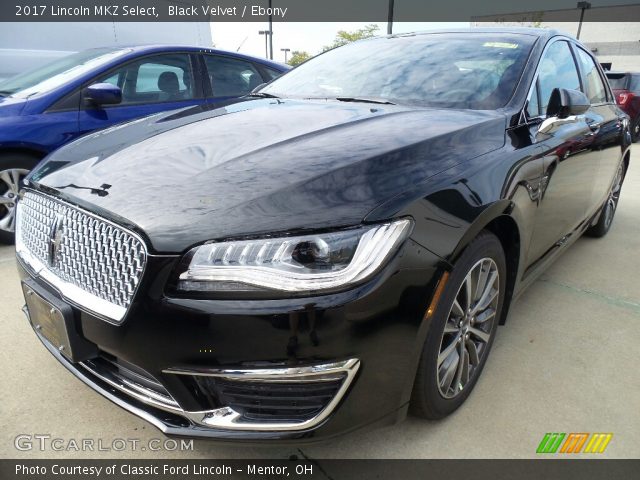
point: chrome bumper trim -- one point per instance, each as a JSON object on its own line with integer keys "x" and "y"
{"x": 69, "y": 292}
{"x": 312, "y": 373}
{"x": 91, "y": 383}
{"x": 139, "y": 392}
{"x": 227, "y": 418}
{"x": 221, "y": 419}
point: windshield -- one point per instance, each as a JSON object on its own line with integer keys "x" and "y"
{"x": 57, "y": 73}
{"x": 469, "y": 70}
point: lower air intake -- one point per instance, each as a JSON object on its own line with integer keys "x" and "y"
{"x": 273, "y": 401}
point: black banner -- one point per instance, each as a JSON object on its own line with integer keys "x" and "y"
{"x": 307, "y": 469}
{"x": 316, "y": 10}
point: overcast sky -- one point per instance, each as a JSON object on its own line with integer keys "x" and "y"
{"x": 308, "y": 36}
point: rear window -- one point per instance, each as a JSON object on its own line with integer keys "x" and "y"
{"x": 231, "y": 77}
{"x": 618, "y": 81}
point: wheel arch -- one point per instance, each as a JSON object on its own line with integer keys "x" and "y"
{"x": 31, "y": 151}
{"x": 498, "y": 220}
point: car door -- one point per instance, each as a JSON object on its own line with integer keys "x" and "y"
{"x": 149, "y": 85}
{"x": 570, "y": 165}
{"x": 605, "y": 122}
{"x": 229, "y": 77}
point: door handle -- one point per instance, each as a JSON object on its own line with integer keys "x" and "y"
{"x": 594, "y": 127}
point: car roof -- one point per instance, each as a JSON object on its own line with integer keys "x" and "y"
{"x": 536, "y": 32}
{"x": 159, "y": 48}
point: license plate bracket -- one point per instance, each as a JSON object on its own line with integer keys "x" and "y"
{"x": 53, "y": 321}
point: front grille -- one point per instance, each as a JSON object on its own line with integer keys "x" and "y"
{"x": 80, "y": 253}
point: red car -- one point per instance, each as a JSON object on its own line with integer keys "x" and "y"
{"x": 626, "y": 87}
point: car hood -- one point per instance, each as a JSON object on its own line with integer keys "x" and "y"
{"x": 261, "y": 166}
{"x": 10, "y": 106}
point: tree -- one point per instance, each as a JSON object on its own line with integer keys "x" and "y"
{"x": 297, "y": 57}
{"x": 343, "y": 37}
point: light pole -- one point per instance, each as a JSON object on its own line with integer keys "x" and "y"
{"x": 582, "y": 6}
{"x": 390, "y": 18}
{"x": 270, "y": 32}
{"x": 266, "y": 34}
{"x": 285, "y": 50}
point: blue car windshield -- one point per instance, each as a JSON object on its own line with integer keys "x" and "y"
{"x": 59, "y": 72}
{"x": 475, "y": 70}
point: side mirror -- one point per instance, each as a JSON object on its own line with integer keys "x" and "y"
{"x": 564, "y": 107}
{"x": 564, "y": 103}
{"x": 103, "y": 94}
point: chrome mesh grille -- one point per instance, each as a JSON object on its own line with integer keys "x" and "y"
{"x": 91, "y": 254}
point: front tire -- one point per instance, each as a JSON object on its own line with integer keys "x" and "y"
{"x": 635, "y": 130}
{"x": 462, "y": 329}
{"x": 13, "y": 168}
{"x": 601, "y": 228}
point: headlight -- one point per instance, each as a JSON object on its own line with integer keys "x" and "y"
{"x": 293, "y": 264}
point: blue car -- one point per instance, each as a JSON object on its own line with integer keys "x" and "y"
{"x": 43, "y": 109}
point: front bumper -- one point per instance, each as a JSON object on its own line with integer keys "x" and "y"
{"x": 367, "y": 341}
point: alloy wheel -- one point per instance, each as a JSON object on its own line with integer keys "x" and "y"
{"x": 467, "y": 332}
{"x": 10, "y": 182}
{"x": 614, "y": 197}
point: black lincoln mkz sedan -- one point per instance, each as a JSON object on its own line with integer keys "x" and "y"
{"x": 331, "y": 251}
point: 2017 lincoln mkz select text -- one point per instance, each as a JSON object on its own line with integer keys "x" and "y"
{"x": 331, "y": 251}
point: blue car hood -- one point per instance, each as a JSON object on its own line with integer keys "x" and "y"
{"x": 10, "y": 106}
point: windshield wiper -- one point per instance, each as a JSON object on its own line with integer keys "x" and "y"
{"x": 382, "y": 101}
{"x": 263, "y": 95}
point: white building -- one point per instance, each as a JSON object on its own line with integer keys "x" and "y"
{"x": 612, "y": 42}
{"x": 28, "y": 45}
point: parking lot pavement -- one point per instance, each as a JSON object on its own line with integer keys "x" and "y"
{"x": 565, "y": 362}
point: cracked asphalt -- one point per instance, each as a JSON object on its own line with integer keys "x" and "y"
{"x": 565, "y": 362}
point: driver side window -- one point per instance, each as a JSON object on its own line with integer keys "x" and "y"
{"x": 594, "y": 88}
{"x": 557, "y": 70}
{"x": 154, "y": 79}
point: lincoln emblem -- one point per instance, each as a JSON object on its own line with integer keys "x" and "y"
{"x": 55, "y": 237}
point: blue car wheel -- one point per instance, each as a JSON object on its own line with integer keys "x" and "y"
{"x": 14, "y": 167}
